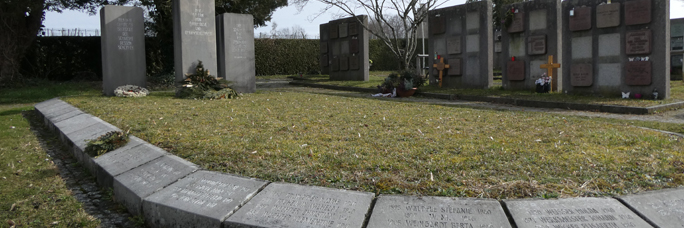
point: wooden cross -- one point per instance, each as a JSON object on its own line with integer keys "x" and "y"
{"x": 550, "y": 66}
{"x": 440, "y": 67}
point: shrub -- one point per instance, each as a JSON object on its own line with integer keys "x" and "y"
{"x": 108, "y": 142}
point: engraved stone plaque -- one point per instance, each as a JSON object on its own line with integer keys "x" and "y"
{"x": 427, "y": 211}
{"x": 333, "y": 32}
{"x": 665, "y": 208}
{"x": 354, "y": 28}
{"x": 354, "y": 62}
{"x": 454, "y": 67}
{"x": 573, "y": 212}
{"x": 454, "y": 45}
{"x": 290, "y": 205}
{"x": 335, "y": 63}
{"x": 638, "y": 12}
{"x": 581, "y": 20}
{"x": 638, "y": 42}
{"x": 324, "y": 60}
{"x": 581, "y": 75}
{"x": 354, "y": 45}
{"x": 517, "y": 25}
{"x": 536, "y": 45}
{"x": 202, "y": 199}
{"x": 677, "y": 43}
{"x": 324, "y": 47}
{"x": 344, "y": 63}
{"x": 343, "y": 30}
{"x": 437, "y": 24}
{"x": 638, "y": 73}
{"x": 608, "y": 15}
{"x": 134, "y": 154}
{"x": 515, "y": 71}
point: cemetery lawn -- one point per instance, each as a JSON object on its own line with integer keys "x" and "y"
{"x": 389, "y": 147}
{"x": 377, "y": 77}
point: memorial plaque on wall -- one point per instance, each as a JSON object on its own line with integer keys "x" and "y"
{"x": 581, "y": 75}
{"x": 454, "y": 67}
{"x": 335, "y": 63}
{"x": 454, "y": 45}
{"x": 354, "y": 62}
{"x": 608, "y": 15}
{"x": 536, "y": 45}
{"x": 344, "y": 63}
{"x": 437, "y": 24}
{"x": 677, "y": 43}
{"x": 638, "y": 12}
{"x": 353, "y": 28}
{"x": 333, "y": 31}
{"x": 518, "y": 23}
{"x": 638, "y": 73}
{"x": 354, "y": 45}
{"x": 581, "y": 20}
{"x": 343, "y": 30}
{"x": 638, "y": 42}
{"x": 324, "y": 60}
{"x": 515, "y": 71}
{"x": 676, "y": 60}
{"x": 324, "y": 47}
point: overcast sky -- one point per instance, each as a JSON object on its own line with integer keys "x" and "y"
{"x": 284, "y": 17}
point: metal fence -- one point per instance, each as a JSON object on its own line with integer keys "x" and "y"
{"x": 68, "y": 32}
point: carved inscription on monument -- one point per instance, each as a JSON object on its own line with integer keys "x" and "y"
{"x": 638, "y": 42}
{"x": 637, "y": 12}
{"x": 515, "y": 71}
{"x": 354, "y": 45}
{"x": 454, "y": 45}
{"x": 437, "y": 24}
{"x": 581, "y": 20}
{"x": 125, "y": 27}
{"x": 454, "y": 67}
{"x": 608, "y": 15}
{"x": 353, "y": 28}
{"x": 638, "y": 73}
{"x": 518, "y": 23}
{"x": 198, "y": 25}
{"x": 344, "y": 63}
{"x": 324, "y": 47}
{"x": 354, "y": 62}
{"x": 536, "y": 45}
{"x": 581, "y": 75}
{"x": 333, "y": 30}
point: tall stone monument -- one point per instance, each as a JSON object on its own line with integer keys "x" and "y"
{"x": 123, "y": 47}
{"x": 619, "y": 47}
{"x": 344, "y": 49}
{"x": 194, "y": 36}
{"x": 236, "y": 50}
{"x": 534, "y": 34}
{"x": 462, "y": 35}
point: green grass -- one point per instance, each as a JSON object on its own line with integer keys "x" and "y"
{"x": 390, "y": 147}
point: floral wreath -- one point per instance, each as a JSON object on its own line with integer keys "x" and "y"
{"x": 130, "y": 91}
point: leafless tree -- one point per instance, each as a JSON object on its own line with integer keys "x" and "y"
{"x": 399, "y": 20}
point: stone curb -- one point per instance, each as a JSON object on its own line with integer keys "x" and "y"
{"x": 520, "y": 102}
{"x": 169, "y": 191}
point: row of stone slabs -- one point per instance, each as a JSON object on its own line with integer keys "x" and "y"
{"x": 171, "y": 192}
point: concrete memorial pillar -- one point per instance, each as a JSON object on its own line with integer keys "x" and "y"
{"x": 123, "y": 47}
{"x": 344, "y": 49}
{"x": 194, "y": 36}
{"x": 236, "y": 50}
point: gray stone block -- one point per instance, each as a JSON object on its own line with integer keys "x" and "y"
{"x": 47, "y": 103}
{"x": 426, "y": 211}
{"x": 123, "y": 47}
{"x": 663, "y": 208}
{"x": 517, "y": 46}
{"x": 609, "y": 45}
{"x": 289, "y": 205}
{"x": 79, "y": 140}
{"x": 472, "y": 21}
{"x": 236, "y": 51}
{"x": 75, "y": 123}
{"x": 455, "y": 26}
{"x": 473, "y": 43}
{"x": 344, "y": 47}
{"x": 440, "y": 45}
{"x": 581, "y": 47}
{"x": 202, "y": 199}
{"x": 131, "y": 187}
{"x": 472, "y": 71}
{"x": 538, "y": 20}
{"x": 51, "y": 122}
{"x": 194, "y": 36}
{"x": 676, "y": 29}
{"x": 609, "y": 75}
{"x": 572, "y": 212}
{"x": 136, "y": 153}
{"x": 535, "y": 71}
{"x": 348, "y": 29}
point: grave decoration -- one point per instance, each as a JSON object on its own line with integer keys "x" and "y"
{"x": 130, "y": 91}
{"x": 543, "y": 83}
{"x": 202, "y": 85}
{"x": 403, "y": 83}
{"x": 108, "y": 142}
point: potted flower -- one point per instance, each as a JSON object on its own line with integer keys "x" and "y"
{"x": 404, "y": 82}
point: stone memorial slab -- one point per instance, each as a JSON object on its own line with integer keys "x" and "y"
{"x": 538, "y": 20}
{"x": 334, "y": 33}
{"x": 354, "y": 28}
{"x": 518, "y": 23}
{"x": 344, "y": 63}
{"x": 638, "y": 12}
{"x": 344, "y": 46}
{"x": 44, "y": 104}
{"x": 516, "y": 46}
{"x": 289, "y": 205}
{"x": 515, "y": 70}
{"x": 581, "y": 19}
{"x": 335, "y": 63}
{"x": 236, "y": 52}
{"x": 455, "y": 26}
{"x": 131, "y": 187}
{"x": 440, "y": 46}
{"x": 354, "y": 45}
{"x": 573, "y": 212}
{"x": 335, "y": 47}
{"x": 581, "y": 75}
{"x": 638, "y": 42}
{"x": 663, "y": 208}
{"x": 473, "y": 43}
{"x": 410, "y": 211}
{"x": 608, "y": 15}
{"x": 497, "y": 47}
{"x": 472, "y": 72}
{"x": 123, "y": 47}
{"x": 324, "y": 47}
{"x": 454, "y": 45}
{"x": 609, "y": 45}
{"x": 609, "y": 74}
{"x": 676, "y": 60}
{"x": 581, "y": 47}
{"x": 343, "y": 30}
{"x": 194, "y": 36}
{"x": 52, "y": 112}
{"x": 638, "y": 73}
{"x": 202, "y": 199}
{"x": 536, "y": 45}
{"x": 535, "y": 71}
{"x": 354, "y": 62}
{"x": 75, "y": 123}
{"x": 136, "y": 153}
{"x": 62, "y": 117}
{"x": 454, "y": 67}
{"x": 324, "y": 31}
{"x": 677, "y": 43}
{"x": 437, "y": 24}
{"x": 472, "y": 21}
{"x": 324, "y": 60}
{"x": 676, "y": 30}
